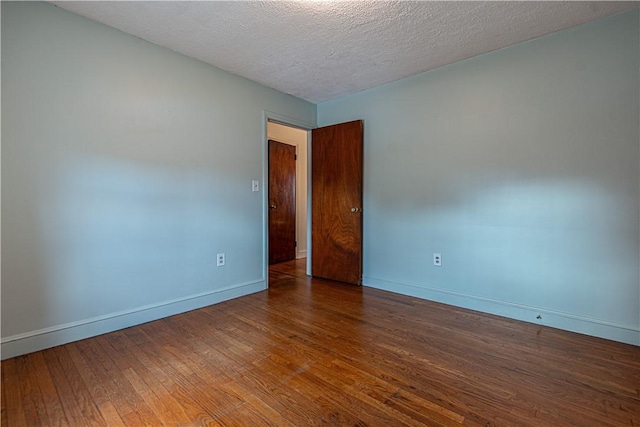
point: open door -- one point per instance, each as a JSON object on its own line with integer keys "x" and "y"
{"x": 282, "y": 202}
{"x": 336, "y": 202}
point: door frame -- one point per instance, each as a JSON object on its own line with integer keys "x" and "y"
{"x": 267, "y": 117}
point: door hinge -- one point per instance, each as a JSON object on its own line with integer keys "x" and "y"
{"x": 295, "y": 157}
{"x": 296, "y": 244}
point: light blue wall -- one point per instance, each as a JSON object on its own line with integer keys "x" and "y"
{"x": 125, "y": 168}
{"x": 521, "y": 167}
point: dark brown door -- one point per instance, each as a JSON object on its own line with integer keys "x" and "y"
{"x": 336, "y": 202}
{"x": 282, "y": 202}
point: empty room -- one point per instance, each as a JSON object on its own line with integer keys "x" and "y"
{"x": 300, "y": 213}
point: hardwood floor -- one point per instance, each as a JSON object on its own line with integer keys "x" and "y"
{"x": 311, "y": 352}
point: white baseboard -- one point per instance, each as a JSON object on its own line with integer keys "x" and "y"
{"x": 29, "y": 342}
{"x": 629, "y": 334}
{"x": 302, "y": 253}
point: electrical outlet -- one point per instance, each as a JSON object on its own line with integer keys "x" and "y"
{"x": 437, "y": 260}
{"x": 220, "y": 260}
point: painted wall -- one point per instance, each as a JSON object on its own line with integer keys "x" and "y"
{"x": 522, "y": 167}
{"x": 298, "y": 138}
{"x": 125, "y": 169}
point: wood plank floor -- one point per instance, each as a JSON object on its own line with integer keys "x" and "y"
{"x": 312, "y": 352}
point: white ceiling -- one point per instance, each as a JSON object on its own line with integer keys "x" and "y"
{"x": 322, "y": 50}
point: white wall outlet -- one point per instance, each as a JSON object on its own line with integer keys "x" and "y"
{"x": 255, "y": 185}
{"x": 437, "y": 260}
{"x": 220, "y": 260}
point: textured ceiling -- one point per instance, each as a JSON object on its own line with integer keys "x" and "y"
{"x": 319, "y": 50}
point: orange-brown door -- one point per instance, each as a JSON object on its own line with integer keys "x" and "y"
{"x": 336, "y": 202}
{"x": 282, "y": 202}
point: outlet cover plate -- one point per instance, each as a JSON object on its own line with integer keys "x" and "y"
{"x": 437, "y": 259}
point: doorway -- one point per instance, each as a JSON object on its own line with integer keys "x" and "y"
{"x": 288, "y": 139}
{"x": 337, "y": 177}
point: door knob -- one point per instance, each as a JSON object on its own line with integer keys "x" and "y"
{"x": 272, "y": 207}
{"x": 355, "y": 210}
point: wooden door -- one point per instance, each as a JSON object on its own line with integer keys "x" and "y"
{"x": 336, "y": 202}
{"x": 282, "y": 202}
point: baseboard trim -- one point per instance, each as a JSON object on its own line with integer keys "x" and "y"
{"x": 29, "y": 342}
{"x": 570, "y": 322}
